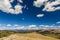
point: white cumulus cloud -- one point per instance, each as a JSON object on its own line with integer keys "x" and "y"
{"x": 5, "y": 6}
{"x": 58, "y": 22}
{"x": 9, "y": 25}
{"x": 40, "y": 15}
{"x": 32, "y": 27}
{"x": 20, "y": 1}
{"x": 39, "y": 3}
{"x": 48, "y": 5}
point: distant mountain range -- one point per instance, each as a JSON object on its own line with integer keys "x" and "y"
{"x": 37, "y": 30}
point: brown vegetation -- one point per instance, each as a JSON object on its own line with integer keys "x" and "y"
{"x": 35, "y": 35}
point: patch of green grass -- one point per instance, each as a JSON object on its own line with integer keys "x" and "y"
{"x": 5, "y": 33}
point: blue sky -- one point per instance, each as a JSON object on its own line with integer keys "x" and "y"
{"x": 30, "y": 12}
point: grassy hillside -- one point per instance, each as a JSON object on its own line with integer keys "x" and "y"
{"x": 4, "y": 33}
{"x": 50, "y": 33}
{"x": 39, "y": 34}
{"x": 28, "y": 36}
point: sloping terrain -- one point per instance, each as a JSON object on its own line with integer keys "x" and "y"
{"x": 27, "y": 36}
{"x": 50, "y": 32}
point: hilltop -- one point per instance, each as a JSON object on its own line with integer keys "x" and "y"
{"x": 42, "y": 34}
{"x": 28, "y": 36}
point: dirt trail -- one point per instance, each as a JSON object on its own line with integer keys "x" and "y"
{"x": 30, "y": 36}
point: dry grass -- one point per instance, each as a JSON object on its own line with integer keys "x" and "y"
{"x": 28, "y": 36}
